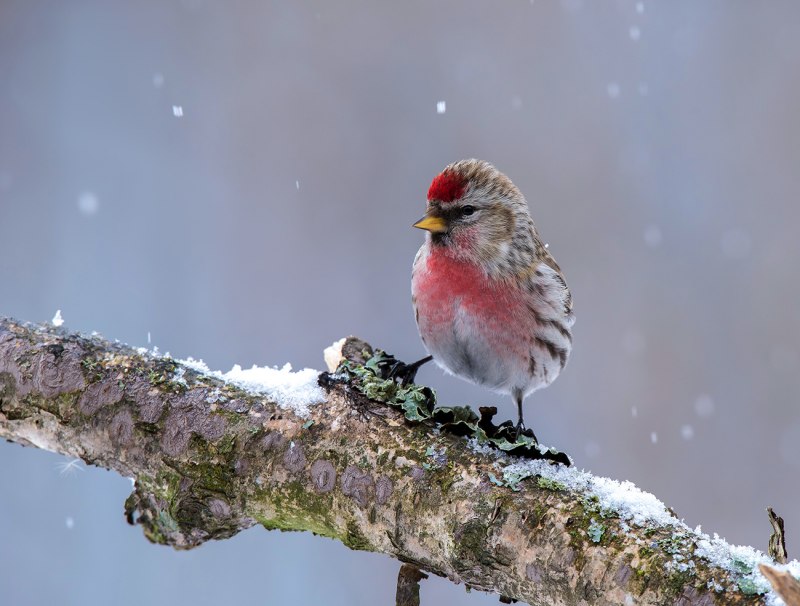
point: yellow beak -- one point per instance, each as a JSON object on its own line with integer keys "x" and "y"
{"x": 432, "y": 223}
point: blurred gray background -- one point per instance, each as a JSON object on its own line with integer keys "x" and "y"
{"x": 238, "y": 180}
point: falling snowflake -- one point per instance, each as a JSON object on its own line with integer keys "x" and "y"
{"x": 441, "y": 107}
{"x": 177, "y": 111}
{"x": 88, "y": 203}
{"x": 57, "y": 319}
{"x": 66, "y": 468}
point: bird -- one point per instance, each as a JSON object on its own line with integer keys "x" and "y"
{"x": 491, "y": 303}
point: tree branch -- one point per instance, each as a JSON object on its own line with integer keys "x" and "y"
{"x": 408, "y": 585}
{"x": 211, "y": 459}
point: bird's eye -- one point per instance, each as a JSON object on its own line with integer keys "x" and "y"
{"x": 468, "y": 210}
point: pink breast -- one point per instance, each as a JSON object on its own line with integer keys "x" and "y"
{"x": 448, "y": 287}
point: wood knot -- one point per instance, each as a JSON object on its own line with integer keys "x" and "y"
{"x": 121, "y": 428}
{"x": 272, "y": 440}
{"x": 383, "y": 490}
{"x": 323, "y": 476}
{"x": 99, "y": 395}
{"x": 358, "y": 485}
{"x": 219, "y": 508}
{"x": 294, "y": 459}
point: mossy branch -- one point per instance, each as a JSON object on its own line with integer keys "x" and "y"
{"x": 210, "y": 460}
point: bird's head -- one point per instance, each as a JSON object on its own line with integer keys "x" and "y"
{"x": 477, "y": 213}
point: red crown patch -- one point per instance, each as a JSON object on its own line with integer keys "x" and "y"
{"x": 446, "y": 187}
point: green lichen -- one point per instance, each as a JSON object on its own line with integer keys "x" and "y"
{"x": 548, "y": 484}
{"x": 493, "y": 479}
{"x": 296, "y": 509}
{"x": 591, "y": 504}
{"x": 93, "y": 370}
{"x": 655, "y": 566}
{"x": 450, "y": 476}
{"x": 596, "y": 531}
{"x": 162, "y": 375}
{"x": 471, "y": 544}
{"x": 748, "y": 586}
{"x": 225, "y": 445}
{"x": 672, "y": 544}
{"x": 374, "y": 379}
{"x": 355, "y": 540}
{"x": 167, "y": 522}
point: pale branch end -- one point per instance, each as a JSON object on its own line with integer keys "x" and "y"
{"x": 210, "y": 459}
{"x": 784, "y": 583}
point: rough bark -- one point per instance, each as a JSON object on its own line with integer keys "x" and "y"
{"x": 210, "y": 460}
{"x": 777, "y": 540}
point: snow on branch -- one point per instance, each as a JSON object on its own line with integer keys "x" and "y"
{"x": 357, "y": 458}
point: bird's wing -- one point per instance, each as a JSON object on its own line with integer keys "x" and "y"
{"x": 558, "y": 276}
{"x": 544, "y": 276}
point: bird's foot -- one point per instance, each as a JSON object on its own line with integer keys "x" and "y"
{"x": 521, "y": 430}
{"x": 406, "y": 373}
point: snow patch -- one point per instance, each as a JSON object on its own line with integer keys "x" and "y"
{"x": 295, "y": 391}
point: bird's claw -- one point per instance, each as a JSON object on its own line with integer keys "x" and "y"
{"x": 406, "y": 373}
{"x": 521, "y": 430}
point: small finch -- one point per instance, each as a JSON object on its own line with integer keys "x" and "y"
{"x": 490, "y": 301}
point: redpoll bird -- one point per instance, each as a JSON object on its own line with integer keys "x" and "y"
{"x": 490, "y": 301}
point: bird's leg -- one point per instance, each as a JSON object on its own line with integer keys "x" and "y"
{"x": 406, "y": 373}
{"x": 521, "y": 429}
